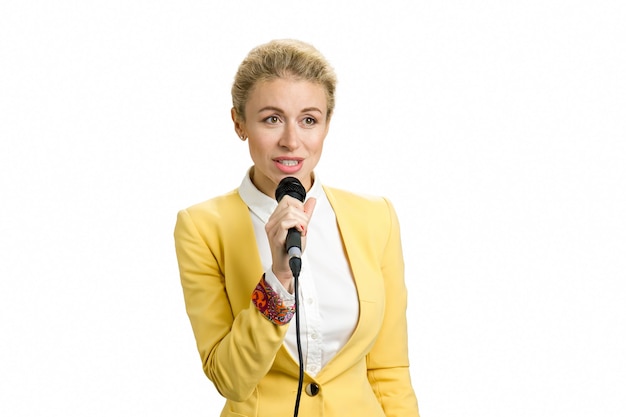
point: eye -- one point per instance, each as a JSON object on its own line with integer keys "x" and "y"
{"x": 309, "y": 121}
{"x": 272, "y": 120}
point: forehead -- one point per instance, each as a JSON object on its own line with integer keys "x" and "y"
{"x": 288, "y": 92}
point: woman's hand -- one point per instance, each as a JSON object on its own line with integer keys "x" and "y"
{"x": 289, "y": 213}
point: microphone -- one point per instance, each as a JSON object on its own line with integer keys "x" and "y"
{"x": 292, "y": 187}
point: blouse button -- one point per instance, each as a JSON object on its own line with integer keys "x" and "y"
{"x": 312, "y": 389}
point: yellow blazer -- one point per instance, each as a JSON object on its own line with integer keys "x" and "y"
{"x": 242, "y": 352}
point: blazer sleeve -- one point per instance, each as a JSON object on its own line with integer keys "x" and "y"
{"x": 387, "y": 362}
{"x": 237, "y": 348}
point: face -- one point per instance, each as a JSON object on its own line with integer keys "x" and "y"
{"x": 286, "y": 125}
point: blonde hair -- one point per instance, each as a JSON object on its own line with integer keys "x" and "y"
{"x": 282, "y": 58}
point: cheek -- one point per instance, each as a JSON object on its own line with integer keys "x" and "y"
{"x": 258, "y": 149}
{"x": 254, "y": 152}
{"x": 318, "y": 146}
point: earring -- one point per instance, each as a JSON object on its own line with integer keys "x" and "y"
{"x": 242, "y": 137}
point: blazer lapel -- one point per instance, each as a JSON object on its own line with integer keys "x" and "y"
{"x": 363, "y": 263}
{"x": 238, "y": 232}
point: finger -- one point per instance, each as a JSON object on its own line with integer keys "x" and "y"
{"x": 290, "y": 201}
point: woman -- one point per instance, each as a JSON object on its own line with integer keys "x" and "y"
{"x": 235, "y": 274}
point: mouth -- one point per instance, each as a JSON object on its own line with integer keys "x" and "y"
{"x": 288, "y": 165}
{"x": 288, "y": 162}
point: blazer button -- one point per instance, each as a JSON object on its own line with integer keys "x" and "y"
{"x": 312, "y": 390}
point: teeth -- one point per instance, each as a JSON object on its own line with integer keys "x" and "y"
{"x": 289, "y": 162}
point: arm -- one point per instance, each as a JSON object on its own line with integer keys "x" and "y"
{"x": 387, "y": 362}
{"x": 236, "y": 351}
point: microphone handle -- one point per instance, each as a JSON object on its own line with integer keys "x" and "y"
{"x": 293, "y": 244}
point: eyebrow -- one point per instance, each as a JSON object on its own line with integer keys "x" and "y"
{"x": 305, "y": 110}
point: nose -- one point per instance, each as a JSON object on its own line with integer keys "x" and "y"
{"x": 289, "y": 137}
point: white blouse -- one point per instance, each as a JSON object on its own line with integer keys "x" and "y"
{"x": 328, "y": 306}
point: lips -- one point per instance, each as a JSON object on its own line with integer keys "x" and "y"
{"x": 288, "y": 162}
{"x": 288, "y": 165}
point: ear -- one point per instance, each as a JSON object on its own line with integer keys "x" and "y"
{"x": 239, "y": 127}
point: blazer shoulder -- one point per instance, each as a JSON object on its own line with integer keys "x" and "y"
{"x": 216, "y": 215}
{"x": 358, "y": 202}
{"x": 217, "y": 206}
{"x": 372, "y": 217}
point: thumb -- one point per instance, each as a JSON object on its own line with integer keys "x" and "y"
{"x": 309, "y": 206}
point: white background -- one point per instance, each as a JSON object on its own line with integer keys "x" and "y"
{"x": 497, "y": 128}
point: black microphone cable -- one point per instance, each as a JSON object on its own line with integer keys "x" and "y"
{"x": 292, "y": 187}
{"x": 295, "y": 264}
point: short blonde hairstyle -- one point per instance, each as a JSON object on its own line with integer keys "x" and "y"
{"x": 282, "y": 58}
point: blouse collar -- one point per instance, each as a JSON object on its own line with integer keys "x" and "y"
{"x": 263, "y": 205}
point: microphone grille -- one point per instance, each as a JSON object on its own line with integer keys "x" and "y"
{"x": 292, "y": 187}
